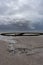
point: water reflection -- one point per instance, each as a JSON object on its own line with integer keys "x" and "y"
{"x": 8, "y": 39}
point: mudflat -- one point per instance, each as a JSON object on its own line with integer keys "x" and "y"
{"x": 28, "y": 50}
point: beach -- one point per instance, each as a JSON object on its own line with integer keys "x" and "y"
{"x": 33, "y": 45}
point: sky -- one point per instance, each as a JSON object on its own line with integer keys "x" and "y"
{"x": 12, "y": 11}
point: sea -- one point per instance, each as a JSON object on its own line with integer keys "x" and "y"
{"x": 9, "y": 39}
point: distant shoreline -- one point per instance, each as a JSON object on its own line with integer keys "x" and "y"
{"x": 21, "y": 33}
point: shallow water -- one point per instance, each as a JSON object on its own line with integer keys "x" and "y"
{"x": 7, "y": 39}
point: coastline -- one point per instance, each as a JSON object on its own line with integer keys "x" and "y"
{"x": 7, "y": 58}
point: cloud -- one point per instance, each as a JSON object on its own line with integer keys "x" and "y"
{"x": 20, "y": 9}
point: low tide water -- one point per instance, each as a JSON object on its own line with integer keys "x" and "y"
{"x": 8, "y": 39}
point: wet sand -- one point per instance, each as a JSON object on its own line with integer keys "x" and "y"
{"x": 29, "y": 42}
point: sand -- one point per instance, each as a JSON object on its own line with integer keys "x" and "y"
{"x": 29, "y": 42}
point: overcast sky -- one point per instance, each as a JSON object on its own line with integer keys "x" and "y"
{"x": 18, "y": 9}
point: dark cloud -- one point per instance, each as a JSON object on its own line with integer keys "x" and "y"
{"x": 15, "y": 27}
{"x": 11, "y": 10}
